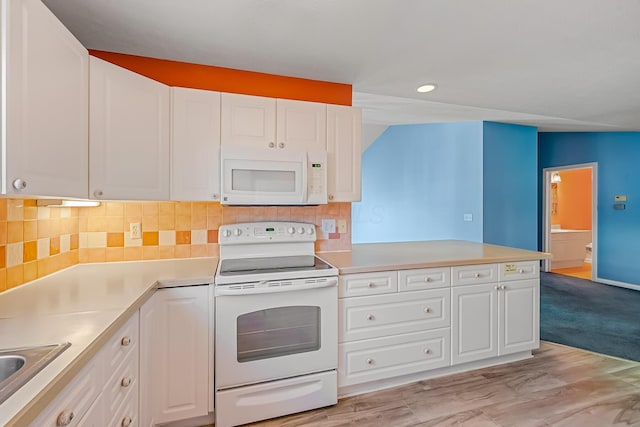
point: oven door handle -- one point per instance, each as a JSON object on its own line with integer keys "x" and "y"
{"x": 228, "y": 290}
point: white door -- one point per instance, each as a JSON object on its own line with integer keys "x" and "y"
{"x": 248, "y": 120}
{"x": 181, "y": 388}
{"x": 128, "y": 135}
{"x": 301, "y": 125}
{"x": 474, "y": 324}
{"x": 519, "y": 321}
{"x": 344, "y": 153}
{"x": 47, "y": 73}
{"x": 195, "y": 144}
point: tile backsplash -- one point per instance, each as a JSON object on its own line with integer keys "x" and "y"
{"x": 36, "y": 240}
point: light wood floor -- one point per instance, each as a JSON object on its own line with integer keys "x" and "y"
{"x": 560, "y": 386}
{"x": 583, "y": 272}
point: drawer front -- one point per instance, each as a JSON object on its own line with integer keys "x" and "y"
{"x": 380, "y": 358}
{"x": 354, "y": 285}
{"x": 121, "y": 344}
{"x": 95, "y": 415}
{"x": 127, "y": 414}
{"x": 122, "y": 383}
{"x": 424, "y": 278}
{"x": 384, "y": 315}
{"x": 520, "y": 270}
{"x": 474, "y": 274}
{"x": 74, "y": 401}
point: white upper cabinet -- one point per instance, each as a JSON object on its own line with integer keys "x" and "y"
{"x": 344, "y": 153}
{"x": 273, "y": 123}
{"x": 195, "y": 145}
{"x": 129, "y": 135}
{"x": 45, "y": 100}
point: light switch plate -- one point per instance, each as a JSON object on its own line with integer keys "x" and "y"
{"x": 468, "y": 217}
{"x": 328, "y": 226}
{"x": 342, "y": 226}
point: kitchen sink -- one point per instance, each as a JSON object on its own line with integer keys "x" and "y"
{"x": 19, "y": 365}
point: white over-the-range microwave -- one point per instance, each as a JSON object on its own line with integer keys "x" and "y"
{"x": 253, "y": 176}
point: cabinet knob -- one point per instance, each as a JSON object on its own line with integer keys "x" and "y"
{"x": 371, "y": 285}
{"x": 330, "y": 197}
{"x": 19, "y": 184}
{"x": 65, "y": 418}
{"x": 477, "y": 275}
{"x": 496, "y": 287}
{"x": 98, "y": 193}
{"x": 503, "y": 287}
{"x": 125, "y": 341}
{"x": 126, "y": 421}
{"x": 427, "y": 310}
{"x": 370, "y": 317}
{"x": 281, "y": 145}
{"x": 272, "y": 145}
{"x": 427, "y": 351}
{"x": 521, "y": 271}
{"x": 126, "y": 382}
{"x": 215, "y": 196}
{"x": 370, "y": 361}
{"x": 427, "y": 279}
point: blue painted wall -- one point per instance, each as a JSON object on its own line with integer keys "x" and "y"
{"x": 510, "y": 171}
{"x": 417, "y": 183}
{"x": 618, "y": 158}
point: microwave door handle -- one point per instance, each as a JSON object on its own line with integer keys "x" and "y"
{"x": 228, "y": 290}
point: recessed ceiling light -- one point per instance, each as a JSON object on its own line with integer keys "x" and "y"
{"x": 426, "y": 88}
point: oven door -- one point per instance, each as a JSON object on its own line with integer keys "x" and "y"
{"x": 275, "y": 330}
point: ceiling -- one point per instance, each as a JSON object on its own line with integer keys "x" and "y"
{"x": 571, "y": 65}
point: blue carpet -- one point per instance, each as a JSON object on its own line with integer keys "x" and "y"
{"x": 588, "y": 315}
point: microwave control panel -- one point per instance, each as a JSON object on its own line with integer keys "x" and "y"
{"x": 317, "y": 177}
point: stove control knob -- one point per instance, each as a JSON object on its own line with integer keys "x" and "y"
{"x": 237, "y": 232}
{"x": 291, "y": 230}
{"x": 226, "y": 232}
{"x": 310, "y": 230}
{"x": 301, "y": 230}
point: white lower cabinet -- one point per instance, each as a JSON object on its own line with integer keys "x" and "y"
{"x": 175, "y": 327}
{"x": 98, "y": 393}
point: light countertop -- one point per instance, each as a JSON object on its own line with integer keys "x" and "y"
{"x": 84, "y": 305}
{"x": 371, "y": 257}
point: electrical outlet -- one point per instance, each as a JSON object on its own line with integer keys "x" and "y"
{"x": 468, "y": 217}
{"x": 342, "y": 226}
{"x": 135, "y": 230}
{"x": 328, "y": 226}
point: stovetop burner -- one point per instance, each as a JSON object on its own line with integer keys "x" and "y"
{"x": 265, "y": 265}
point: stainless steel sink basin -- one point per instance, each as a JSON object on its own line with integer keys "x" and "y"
{"x": 19, "y": 365}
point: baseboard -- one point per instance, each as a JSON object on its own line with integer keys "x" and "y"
{"x": 616, "y": 283}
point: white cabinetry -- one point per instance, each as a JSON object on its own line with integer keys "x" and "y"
{"x": 344, "y": 153}
{"x": 498, "y": 318}
{"x": 269, "y": 123}
{"x": 176, "y": 386}
{"x": 105, "y": 389}
{"x": 569, "y": 247}
{"x": 44, "y": 104}
{"x": 195, "y": 144}
{"x": 128, "y": 135}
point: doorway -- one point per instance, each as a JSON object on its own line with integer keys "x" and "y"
{"x": 570, "y": 219}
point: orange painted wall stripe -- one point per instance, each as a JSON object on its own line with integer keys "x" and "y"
{"x": 574, "y": 199}
{"x": 195, "y": 76}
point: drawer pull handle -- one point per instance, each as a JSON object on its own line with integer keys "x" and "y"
{"x": 65, "y": 418}
{"x": 370, "y": 317}
{"x": 428, "y": 279}
{"x": 427, "y": 310}
{"x": 281, "y": 145}
{"x": 371, "y": 285}
{"x": 427, "y": 351}
{"x": 125, "y": 341}
{"x": 126, "y": 382}
{"x": 477, "y": 275}
{"x": 521, "y": 271}
{"x": 496, "y": 287}
{"x": 272, "y": 145}
{"x": 126, "y": 421}
{"x": 503, "y": 287}
{"x": 370, "y": 361}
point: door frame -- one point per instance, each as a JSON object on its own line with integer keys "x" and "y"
{"x": 546, "y": 212}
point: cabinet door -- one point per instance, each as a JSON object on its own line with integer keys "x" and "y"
{"x": 47, "y": 72}
{"x": 474, "y": 325}
{"x": 128, "y": 135}
{"x": 195, "y": 144}
{"x": 182, "y": 352}
{"x": 519, "y": 322}
{"x": 248, "y": 120}
{"x": 301, "y": 125}
{"x": 344, "y": 153}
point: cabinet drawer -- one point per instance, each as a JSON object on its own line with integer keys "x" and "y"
{"x": 381, "y": 358}
{"x": 424, "y": 278}
{"x": 518, "y": 270}
{"x": 383, "y": 315}
{"x": 474, "y": 274}
{"x": 352, "y": 285}
{"x": 76, "y": 398}
{"x": 122, "y": 383}
{"x": 121, "y": 344}
{"x": 127, "y": 414}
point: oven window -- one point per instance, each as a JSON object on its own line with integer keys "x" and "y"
{"x": 275, "y": 181}
{"x": 278, "y": 332}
